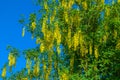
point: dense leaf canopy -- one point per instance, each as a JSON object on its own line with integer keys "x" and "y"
{"x": 76, "y": 40}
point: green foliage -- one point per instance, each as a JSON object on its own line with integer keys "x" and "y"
{"x": 76, "y": 40}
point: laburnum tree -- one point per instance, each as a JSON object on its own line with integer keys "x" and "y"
{"x": 76, "y": 40}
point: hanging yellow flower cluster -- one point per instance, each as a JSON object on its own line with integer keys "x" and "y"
{"x": 71, "y": 63}
{"x": 4, "y": 72}
{"x": 12, "y": 60}
{"x": 83, "y": 50}
{"x": 42, "y": 47}
{"x": 69, "y": 42}
{"x": 64, "y": 4}
{"x": 64, "y": 77}
{"x": 58, "y": 49}
{"x": 70, "y": 3}
{"x": 118, "y": 44}
{"x": 44, "y": 26}
{"x": 118, "y": 1}
{"x": 90, "y": 49}
{"x": 36, "y": 68}
{"x": 45, "y": 6}
{"x": 115, "y": 34}
{"x": 107, "y": 11}
{"x": 66, "y": 16}
{"x": 84, "y": 4}
{"x": 53, "y": 16}
{"x": 81, "y": 38}
{"x": 105, "y": 37}
{"x": 76, "y": 40}
{"x": 28, "y": 65}
{"x": 83, "y": 44}
{"x": 23, "y": 32}
{"x": 57, "y": 34}
{"x": 24, "y": 79}
{"x": 96, "y": 53}
{"x": 33, "y": 25}
{"x": 102, "y": 1}
{"x": 78, "y": 1}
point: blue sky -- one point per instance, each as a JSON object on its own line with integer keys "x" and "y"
{"x": 10, "y": 29}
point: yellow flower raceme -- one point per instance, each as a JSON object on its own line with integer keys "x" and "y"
{"x": 36, "y": 69}
{"x": 96, "y": 53}
{"x": 42, "y": 47}
{"x": 118, "y": 1}
{"x": 12, "y": 60}
{"x": 46, "y": 6}
{"x": 76, "y": 40}
{"x": 81, "y": 38}
{"x": 24, "y": 79}
{"x": 118, "y": 45}
{"x": 23, "y": 32}
{"x": 58, "y": 50}
{"x": 4, "y": 72}
{"x": 107, "y": 11}
{"x": 66, "y": 16}
{"x": 33, "y": 25}
{"x": 84, "y": 5}
{"x": 69, "y": 38}
{"x": 57, "y": 34}
{"x": 59, "y": 39}
{"x": 78, "y": 1}
{"x": 90, "y": 49}
{"x": 102, "y": 1}
{"x": 48, "y": 36}
{"x": 44, "y": 26}
{"x": 64, "y": 4}
{"x": 28, "y": 65}
{"x": 70, "y": 3}
{"x": 64, "y": 77}
{"x": 53, "y": 16}
{"x": 115, "y": 34}
{"x": 105, "y": 37}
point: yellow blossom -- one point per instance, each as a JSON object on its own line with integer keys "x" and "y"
{"x": 90, "y": 49}
{"x": 118, "y": 1}
{"x": 36, "y": 69}
{"x": 42, "y": 47}
{"x": 96, "y": 53}
{"x": 107, "y": 11}
{"x": 69, "y": 38}
{"x": 24, "y": 79}
{"x": 71, "y": 2}
{"x": 58, "y": 50}
{"x": 115, "y": 34}
{"x": 66, "y": 16}
{"x": 4, "y": 72}
{"x": 84, "y": 5}
{"x": 33, "y": 26}
{"x": 23, "y": 32}
{"x": 28, "y": 65}
{"x": 118, "y": 45}
{"x": 64, "y": 77}
{"x": 57, "y": 34}
{"x": 46, "y": 6}
{"x": 76, "y": 40}
{"x": 102, "y": 1}
{"x": 12, "y": 59}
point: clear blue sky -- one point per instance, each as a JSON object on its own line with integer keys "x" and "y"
{"x": 10, "y": 29}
